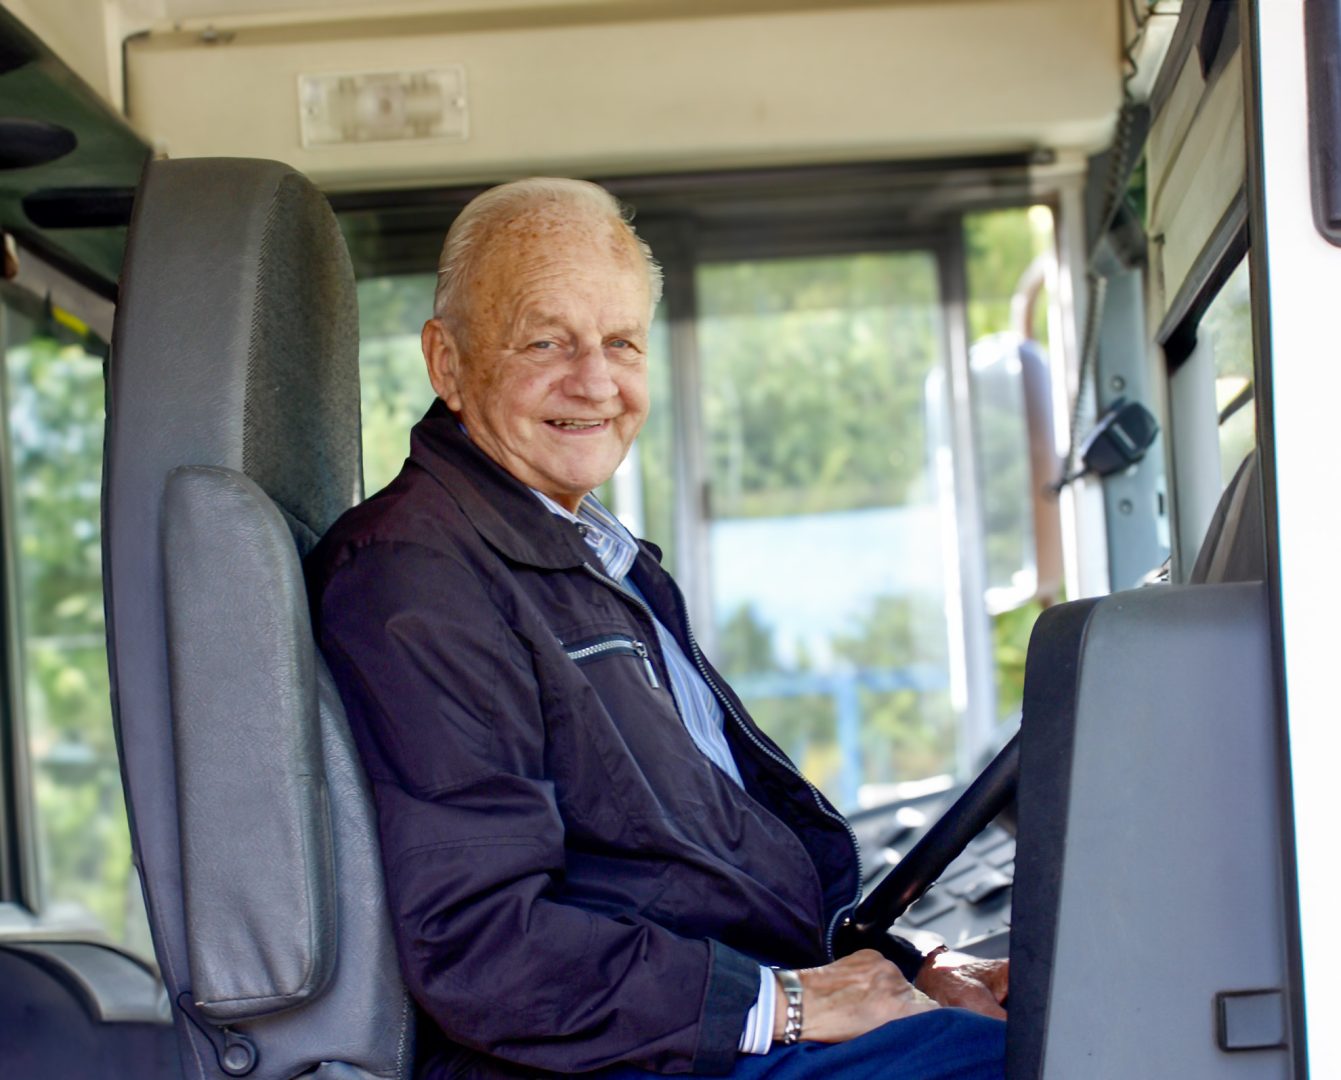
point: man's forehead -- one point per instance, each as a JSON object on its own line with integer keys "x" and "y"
{"x": 534, "y": 265}
{"x": 549, "y": 232}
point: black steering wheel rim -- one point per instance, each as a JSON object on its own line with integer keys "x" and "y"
{"x": 991, "y": 791}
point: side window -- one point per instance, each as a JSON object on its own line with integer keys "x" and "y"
{"x": 53, "y": 421}
{"x": 393, "y": 383}
{"x": 1212, "y": 419}
{"x": 1008, "y": 253}
{"x": 1228, "y": 329}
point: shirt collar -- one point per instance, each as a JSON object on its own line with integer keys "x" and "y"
{"x": 604, "y": 533}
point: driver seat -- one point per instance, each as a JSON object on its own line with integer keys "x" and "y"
{"x": 232, "y": 444}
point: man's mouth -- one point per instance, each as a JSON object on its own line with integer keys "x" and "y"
{"x": 576, "y": 425}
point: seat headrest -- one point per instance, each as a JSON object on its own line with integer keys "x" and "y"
{"x": 250, "y": 345}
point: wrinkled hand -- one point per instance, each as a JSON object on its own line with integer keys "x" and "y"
{"x": 850, "y": 997}
{"x": 965, "y": 982}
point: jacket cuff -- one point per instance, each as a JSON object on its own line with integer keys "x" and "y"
{"x": 733, "y": 987}
{"x": 907, "y": 956}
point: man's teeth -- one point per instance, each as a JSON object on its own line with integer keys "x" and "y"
{"x": 577, "y": 424}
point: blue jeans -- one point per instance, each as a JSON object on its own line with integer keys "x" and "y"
{"x": 946, "y": 1044}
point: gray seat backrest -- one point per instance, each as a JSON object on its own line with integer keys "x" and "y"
{"x": 232, "y": 444}
{"x": 1235, "y": 545}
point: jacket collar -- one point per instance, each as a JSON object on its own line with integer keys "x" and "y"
{"x": 500, "y": 507}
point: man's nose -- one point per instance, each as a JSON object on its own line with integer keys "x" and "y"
{"x": 589, "y": 376}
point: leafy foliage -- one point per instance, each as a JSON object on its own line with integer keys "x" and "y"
{"x": 815, "y": 399}
{"x": 55, "y": 399}
{"x": 394, "y": 384}
{"x": 813, "y": 380}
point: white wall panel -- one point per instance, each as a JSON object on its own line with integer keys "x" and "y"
{"x": 894, "y": 80}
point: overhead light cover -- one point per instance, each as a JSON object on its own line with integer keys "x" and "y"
{"x": 383, "y": 106}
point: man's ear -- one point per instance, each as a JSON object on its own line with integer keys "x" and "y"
{"x": 443, "y": 359}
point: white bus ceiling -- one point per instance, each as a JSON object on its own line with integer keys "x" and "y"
{"x": 608, "y": 86}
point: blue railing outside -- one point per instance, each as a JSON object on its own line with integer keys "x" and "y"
{"x": 843, "y": 688}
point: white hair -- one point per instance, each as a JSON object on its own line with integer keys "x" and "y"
{"x": 470, "y": 232}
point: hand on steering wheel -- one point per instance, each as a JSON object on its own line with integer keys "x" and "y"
{"x": 965, "y": 982}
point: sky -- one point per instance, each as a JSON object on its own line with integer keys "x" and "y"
{"x": 811, "y": 577}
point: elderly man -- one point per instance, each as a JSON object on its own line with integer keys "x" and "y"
{"x": 593, "y": 855}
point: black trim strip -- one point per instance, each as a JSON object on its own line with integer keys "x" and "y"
{"x": 79, "y": 208}
{"x": 709, "y": 183}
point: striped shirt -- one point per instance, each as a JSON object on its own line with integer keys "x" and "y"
{"x": 698, "y": 706}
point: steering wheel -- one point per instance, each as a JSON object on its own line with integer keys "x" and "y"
{"x": 917, "y": 871}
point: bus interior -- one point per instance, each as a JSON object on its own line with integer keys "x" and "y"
{"x": 987, "y": 435}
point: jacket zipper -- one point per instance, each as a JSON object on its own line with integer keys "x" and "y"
{"x": 628, "y": 645}
{"x": 843, "y": 915}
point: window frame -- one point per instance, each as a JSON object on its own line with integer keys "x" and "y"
{"x": 20, "y": 885}
{"x": 1193, "y": 459}
{"x": 24, "y": 907}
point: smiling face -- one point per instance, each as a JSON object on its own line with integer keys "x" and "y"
{"x": 548, "y": 368}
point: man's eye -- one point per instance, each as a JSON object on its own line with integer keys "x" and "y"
{"x": 543, "y": 345}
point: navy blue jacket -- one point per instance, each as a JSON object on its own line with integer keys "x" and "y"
{"x": 572, "y": 882}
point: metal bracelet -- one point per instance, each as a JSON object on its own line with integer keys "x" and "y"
{"x": 791, "y": 986}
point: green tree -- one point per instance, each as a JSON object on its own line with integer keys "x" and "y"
{"x": 745, "y": 643}
{"x": 393, "y": 382}
{"x": 802, "y": 724}
{"x": 813, "y": 381}
{"x": 905, "y": 733}
{"x": 999, "y": 245}
{"x": 1010, "y": 645}
{"x": 55, "y": 421}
